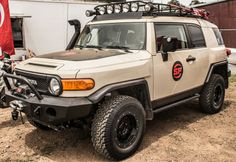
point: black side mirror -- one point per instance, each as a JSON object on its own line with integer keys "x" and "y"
{"x": 76, "y": 23}
{"x": 169, "y": 44}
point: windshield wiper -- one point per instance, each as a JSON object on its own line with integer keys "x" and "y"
{"x": 126, "y": 49}
{"x": 93, "y": 46}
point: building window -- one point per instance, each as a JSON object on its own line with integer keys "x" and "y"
{"x": 17, "y": 31}
{"x": 174, "y": 31}
{"x": 196, "y": 35}
{"x": 218, "y": 36}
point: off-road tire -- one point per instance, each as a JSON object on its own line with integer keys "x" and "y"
{"x": 106, "y": 127}
{"x": 38, "y": 125}
{"x": 207, "y": 98}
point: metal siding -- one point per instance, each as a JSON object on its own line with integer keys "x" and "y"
{"x": 224, "y": 16}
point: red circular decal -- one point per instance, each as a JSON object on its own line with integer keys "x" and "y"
{"x": 177, "y": 71}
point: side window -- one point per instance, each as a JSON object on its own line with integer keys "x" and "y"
{"x": 218, "y": 36}
{"x": 196, "y": 35}
{"x": 176, "y": 31}
{"x": 17, "y": 32}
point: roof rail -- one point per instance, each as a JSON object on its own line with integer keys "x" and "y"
{"x": 148, "y": 9}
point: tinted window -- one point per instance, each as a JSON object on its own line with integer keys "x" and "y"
{"x": 196, "y": 35}
{"x": 176, "y": 31}
{"x": 218, "y": 36}
{"x": 17, "y": 32}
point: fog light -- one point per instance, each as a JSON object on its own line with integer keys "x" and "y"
{"x": 101, "y": 10}
{"x": 125, "y": 7}
{"x": 148, "y": 7}
{"x": 134, "y": 7}
{"x": 109, "y": 9}
{"x": 117, "y": 8}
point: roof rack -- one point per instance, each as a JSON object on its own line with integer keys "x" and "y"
{"x": 148, "y": 9}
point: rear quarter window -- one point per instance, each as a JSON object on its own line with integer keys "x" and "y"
{"x": 218, "y": 35}
{"x": 196, "y": 36}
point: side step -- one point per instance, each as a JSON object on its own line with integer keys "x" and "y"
{"x": 176, "y": 104}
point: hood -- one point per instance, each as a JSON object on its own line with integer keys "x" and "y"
{"x": 67, "y": 64}
{"x": 81, "y": 55}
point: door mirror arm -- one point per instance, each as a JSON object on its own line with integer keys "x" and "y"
{"x": 169, "y": 45}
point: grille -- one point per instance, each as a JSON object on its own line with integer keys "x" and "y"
{"x": 40, "y": 79}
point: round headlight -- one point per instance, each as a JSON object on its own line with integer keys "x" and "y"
{"x": 55, "y": 87}
{"x": 147, "y": 7}
{"x": 117, "y": 8}
{"x": 101, "y": 10}
{"x": 134, "y": 7}
{"x": 125, "y": 8}
{"x": 109, "y": 9}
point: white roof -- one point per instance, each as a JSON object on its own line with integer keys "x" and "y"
{"x": 208, "y": 3}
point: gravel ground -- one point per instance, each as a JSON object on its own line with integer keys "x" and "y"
{"x": 180, "y": 134}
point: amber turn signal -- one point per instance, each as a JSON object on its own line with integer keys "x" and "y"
{"x": 78, "y": 84}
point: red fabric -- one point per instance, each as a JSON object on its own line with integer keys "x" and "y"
{"x": 6, "y": 39}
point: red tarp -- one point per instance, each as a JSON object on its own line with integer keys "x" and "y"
{"x": 6, "y": 39}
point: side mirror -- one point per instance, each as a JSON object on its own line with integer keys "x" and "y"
{"x": 169, "y": 44}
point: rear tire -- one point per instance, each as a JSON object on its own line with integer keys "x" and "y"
{"x": 213, "y": 94}
{"x": 118, "y": 127}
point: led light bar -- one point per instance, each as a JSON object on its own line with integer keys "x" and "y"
{"x": 148, "y": 9}
{"x": 115, "y": 8}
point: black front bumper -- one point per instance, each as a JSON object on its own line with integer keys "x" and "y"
{"x": 49, "y": 110}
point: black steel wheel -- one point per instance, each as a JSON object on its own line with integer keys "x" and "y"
{"x": 118, "y": 127}
{"x": 213, "y": 94}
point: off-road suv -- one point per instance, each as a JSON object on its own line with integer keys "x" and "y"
{"x": 133, "y": 60}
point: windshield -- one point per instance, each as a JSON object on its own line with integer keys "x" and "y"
{"x": 129, "y": 36}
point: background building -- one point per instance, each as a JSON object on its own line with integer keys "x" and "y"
{"x": 223, "y": 14}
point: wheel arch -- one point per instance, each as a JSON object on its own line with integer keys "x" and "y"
{"x": 220, "y": 68}
{"x": 134, "y": 88}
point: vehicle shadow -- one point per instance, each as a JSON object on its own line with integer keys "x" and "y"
{"x": 66, "y": 146}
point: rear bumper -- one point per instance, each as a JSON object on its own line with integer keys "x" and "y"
{"x": 53, "y": 110}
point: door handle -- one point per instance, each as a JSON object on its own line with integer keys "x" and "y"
{"x": 190, "y": 58}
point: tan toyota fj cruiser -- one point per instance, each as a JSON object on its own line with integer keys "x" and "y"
{"x": 134, "y": 59}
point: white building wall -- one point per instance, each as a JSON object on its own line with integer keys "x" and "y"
{"x": 48, "y": 30}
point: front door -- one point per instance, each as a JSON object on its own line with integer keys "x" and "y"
{"x": 184, "y": 69}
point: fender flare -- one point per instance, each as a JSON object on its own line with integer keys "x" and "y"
{"x": 213, "y": 66}
{"x": 101, "y": 93}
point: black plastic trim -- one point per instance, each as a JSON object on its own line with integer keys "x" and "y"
{"x": 98, "y": 95}
{"x": 48, "y": 79}
{"x": 212, "y": 68}
{"x": 159, "y": 103}
{"x": 176, "y": 103}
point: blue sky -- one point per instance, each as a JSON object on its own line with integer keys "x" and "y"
{"x": 185, "y": 2}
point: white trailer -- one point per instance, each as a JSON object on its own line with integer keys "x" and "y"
{"x": 44, "y": 23}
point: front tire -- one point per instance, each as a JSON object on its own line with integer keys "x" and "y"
{"x": 118, "y": 127}
{"x": 213, "y": 94}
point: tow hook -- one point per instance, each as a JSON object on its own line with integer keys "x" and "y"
{"x": 18, "y": 108}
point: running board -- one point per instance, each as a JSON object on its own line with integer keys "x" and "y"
{"x": 176, "y": 104}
